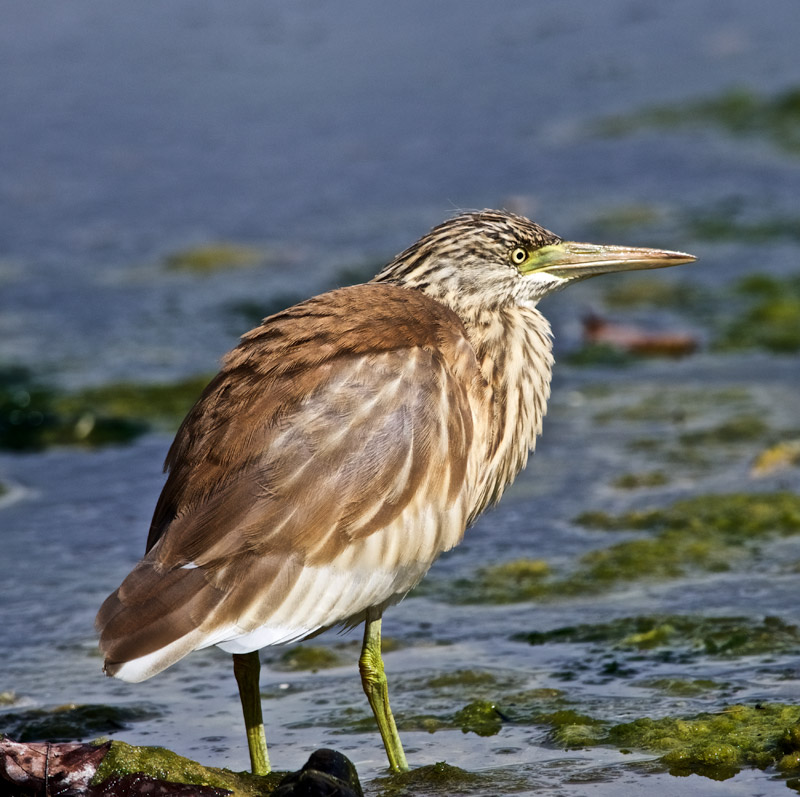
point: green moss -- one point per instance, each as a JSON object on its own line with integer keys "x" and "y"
{"x": 740, "y": 112}
{"x": 158, "y": 762}
{"x": 722, "y": 637}
{"x": 307, "y": 657}
{"x": 634, "y": 292}
{"x": 675, "y": 406}
{"x": 34, "y": 416}
{"x": 444, "y": 780}
{"x": 740, "y": 428}
{"x": 736, "y": 517}
{"x": 214, "y": 257}
{"x": 460, "y": 678}
{"x": 633, "y": 481}
{"x": 716, "y": 745}
{"x": 70, "y": 722}
{"x": 708, "y": 533}
{"x": 570, "y": 729}
{"x": 729, "y": 226}
{"x": 682, "y": 687}
{"x": 600, "y": 354}
{"x": 625, "y": 218}
{"x": 784, "y": 454}
{"x": 767, "y": 316}
{"x": 480, "y": 717}
{"x": 163, "y": 404}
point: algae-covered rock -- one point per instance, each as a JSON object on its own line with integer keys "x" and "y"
{"x": 480, "y": 717}
{"x": 444, "y": 780}
{"x": 161, "y": 764}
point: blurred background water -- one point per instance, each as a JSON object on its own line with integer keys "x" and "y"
{"x": 316, "y": 140}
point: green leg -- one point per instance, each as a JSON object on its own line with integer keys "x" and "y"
{"x": 373, "y": 679}
{"x": 246, "y": 669}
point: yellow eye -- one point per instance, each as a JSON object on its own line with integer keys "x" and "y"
{"x": 519, "y": 255}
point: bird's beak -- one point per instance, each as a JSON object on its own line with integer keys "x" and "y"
{"x": 571, "y": 260}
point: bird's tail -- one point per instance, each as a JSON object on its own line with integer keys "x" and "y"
{"x": 154, "y": 619}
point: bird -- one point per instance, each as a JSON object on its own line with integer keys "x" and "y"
{"x": 346, "y": 443}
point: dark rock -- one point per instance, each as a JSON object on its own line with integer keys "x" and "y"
{"x": 327, "y": 773}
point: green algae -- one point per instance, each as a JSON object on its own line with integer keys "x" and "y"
{"x": 480, "y": 717}
{"x": 717, "y": 745}
{"x": 32, "y": 418}
{"x": 69, "y": 722}
{"x": 571, "y": 729}
{"x": 214, "y": 257}
{"x": 307, "y": 657}
{"x": 635, "y": 481}
{"x": 683, "y": 687}
{"x": 650, "y": 292}
{"x": 713, "y": 744}
{"x": 625, "y": 218}
{"x": 443, "y": 780}
{"x": 740, "y": 428}
{"x": 667, "y": 405}
{"x": 736, "y": 517}
{"x": 160, "y": 404}
{"x": 708, "y": 533}
{"x": 728, "y": 225}
{"x": 461, "y": 678}
{"x": 158, "y": 762}
{"x": 602, "y": 354}
{"x": 739, "y": 111}
{"x": 767, "y": 316}
{"x": 689, "y": 635}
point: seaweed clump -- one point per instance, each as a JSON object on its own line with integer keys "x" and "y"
{"x": 704, "y": 534}
{"x": 689, "y": 634}
{"x": 769, "y": 318}
{"x": 739, "y": 111}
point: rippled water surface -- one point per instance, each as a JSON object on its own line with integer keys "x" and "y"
{"x": 326, "y": 138}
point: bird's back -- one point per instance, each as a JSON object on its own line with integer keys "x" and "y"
{"x": 320, "y": 474}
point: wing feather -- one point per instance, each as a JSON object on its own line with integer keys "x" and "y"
{"x": 321, "y": 472}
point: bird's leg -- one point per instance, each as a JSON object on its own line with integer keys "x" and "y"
{"x": 246, "y": 669}
{"x": 373, "y": 679}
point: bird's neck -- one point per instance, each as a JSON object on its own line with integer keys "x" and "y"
{"x": 514, "y": 351}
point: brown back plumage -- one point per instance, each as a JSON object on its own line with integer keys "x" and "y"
{"x": 282, "y": 464}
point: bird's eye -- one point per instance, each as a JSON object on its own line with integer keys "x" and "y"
{"x": 519, "y": 255}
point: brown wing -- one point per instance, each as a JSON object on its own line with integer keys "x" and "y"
{"x": 333, "y": 428}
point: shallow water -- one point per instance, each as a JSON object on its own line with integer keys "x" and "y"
{"x": 331, "y": 137}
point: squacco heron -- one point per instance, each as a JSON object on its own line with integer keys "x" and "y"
{"x": 345, "y": 444}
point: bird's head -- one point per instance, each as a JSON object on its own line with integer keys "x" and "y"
{"x": 493, "y": 258}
